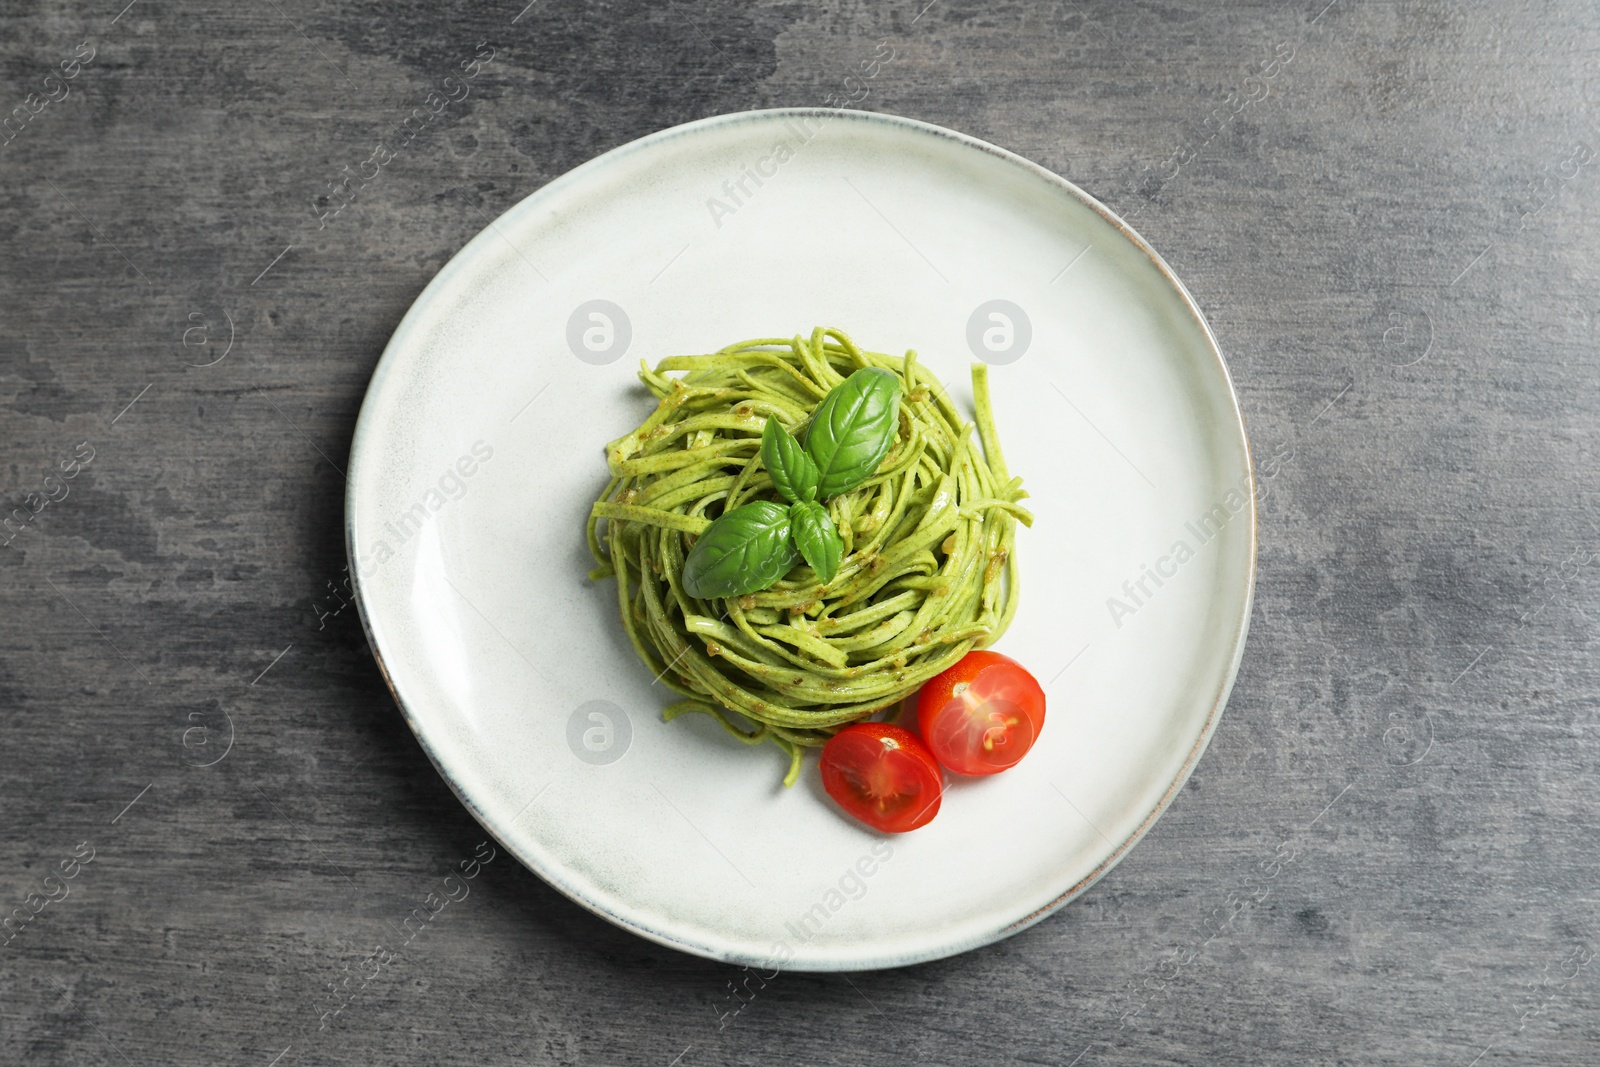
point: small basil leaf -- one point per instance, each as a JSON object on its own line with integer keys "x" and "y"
{"x": 818, "y": 539}
{"x": 793, "y": 473}
{"x": 853, "y": 429}
{"x": 743, "y": 551}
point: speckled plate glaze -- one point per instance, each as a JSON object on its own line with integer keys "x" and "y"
{"x": 479, "y": 450}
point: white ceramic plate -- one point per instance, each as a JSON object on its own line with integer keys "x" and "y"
{"x": 479, "y": 450}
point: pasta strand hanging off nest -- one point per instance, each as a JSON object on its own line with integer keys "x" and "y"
{"x": 929, "y": 570}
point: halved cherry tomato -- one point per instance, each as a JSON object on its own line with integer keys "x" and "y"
{"x": 883, "y": 775}
{"x": 982, "y": 715}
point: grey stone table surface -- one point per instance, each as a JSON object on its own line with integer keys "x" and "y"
{"x": 1387, "y": 210}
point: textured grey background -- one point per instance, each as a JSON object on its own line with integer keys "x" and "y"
{"x": 1387, "y": 856}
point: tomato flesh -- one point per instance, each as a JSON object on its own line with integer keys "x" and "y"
{"x": 883, "y": 775}
{"x": 982, "y": 715}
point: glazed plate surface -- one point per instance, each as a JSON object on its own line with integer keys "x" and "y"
{"x": 479, "y": 451}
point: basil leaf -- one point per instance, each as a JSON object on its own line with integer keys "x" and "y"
{"x": 743, "y": 551}
{"x": 818, "y": 539}
{"x": 853, "y": 428}
{"x": 793, "y": 473}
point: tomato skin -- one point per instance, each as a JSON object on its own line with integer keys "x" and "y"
{"x": 982, "y": 715}
{"x": 883, "y": 775}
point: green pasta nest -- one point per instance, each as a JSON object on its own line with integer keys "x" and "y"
{"x": 929, "y": 570}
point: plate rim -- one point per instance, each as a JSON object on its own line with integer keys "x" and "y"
{"x": 365, "y": 429}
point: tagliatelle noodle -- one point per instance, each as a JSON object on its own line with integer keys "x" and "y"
{"x": 929, "y": 569}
